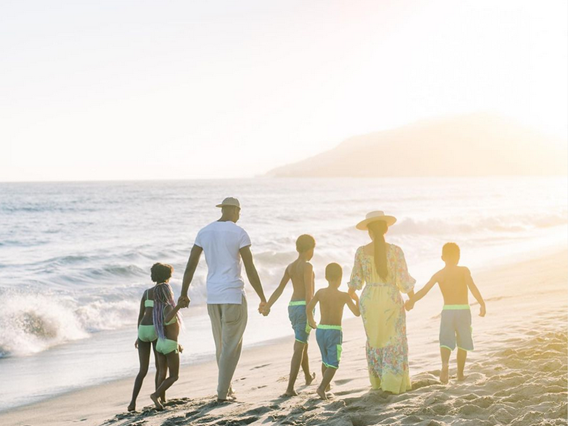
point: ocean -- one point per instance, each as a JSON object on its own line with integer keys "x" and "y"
{"x": 75, "y": 258}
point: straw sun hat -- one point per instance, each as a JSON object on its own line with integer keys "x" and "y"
{"x": 375, "y": 216}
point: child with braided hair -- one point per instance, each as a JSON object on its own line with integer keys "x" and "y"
{"x": 167, "y": 321}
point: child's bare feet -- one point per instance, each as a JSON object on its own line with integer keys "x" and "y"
{"x": 310, "y": 379}
{"x": 444, "y": 373}
{"x": 157, "y": 403}
{"x": 461, "y": 377}
{"x": 131, "y": 407}
{"x": 322, "y": 394}
{"x": 289, "y": 393}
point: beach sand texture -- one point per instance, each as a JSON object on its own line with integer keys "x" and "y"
{"x": 517, "y": 375}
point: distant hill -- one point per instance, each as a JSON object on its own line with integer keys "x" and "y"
{"x": 470, "y": 145}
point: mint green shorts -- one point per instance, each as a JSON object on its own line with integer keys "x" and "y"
{"x": 147, "y": 333}
{"x": 167, "y": 346}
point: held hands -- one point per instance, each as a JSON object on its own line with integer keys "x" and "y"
{"x": 183, "y": 301}
{"x": 409, "y": 304}
{"x": 482, "y": 310}
{"x": 262, "y": 308}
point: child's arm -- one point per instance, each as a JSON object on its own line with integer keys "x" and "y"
{"x": 475, "y": 292}
{"x": 277, "y": 293}
{"x": 141, "y": 311}
{"x": 140, "y": 316}
{"x": 309, "y": 281}
{"x": 171, "y": 313}
{"x": 421, "y": 293}
{"x": 310, "y": 310}
{"x": 353, "y": 305}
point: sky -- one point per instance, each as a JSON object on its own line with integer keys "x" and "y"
{"x": 120, "y": 90}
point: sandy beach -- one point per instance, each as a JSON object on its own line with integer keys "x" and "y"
{"x": 516, "y": 376}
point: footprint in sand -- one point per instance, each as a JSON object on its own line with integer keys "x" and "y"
{"x": 260, "y": 366}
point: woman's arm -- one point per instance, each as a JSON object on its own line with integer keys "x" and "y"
{"x": 357, "y": 275}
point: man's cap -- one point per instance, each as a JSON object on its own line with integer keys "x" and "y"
{"x": 230, "y": 202}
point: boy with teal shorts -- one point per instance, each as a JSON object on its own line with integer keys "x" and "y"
{"x": 301, "y": 273}
{"x": 455, "y": 327}
{"x": 329, "y": 334}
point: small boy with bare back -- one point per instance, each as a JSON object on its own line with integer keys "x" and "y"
{"x": 455, "y": 283}
{"x": 301, "y": 273}
{"x": 329, "y": 334}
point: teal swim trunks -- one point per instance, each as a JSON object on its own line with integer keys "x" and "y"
{"x": 455, "y": 327}
{"x": 166, "y": 346}
{"x": 330, "y": 339}
{"x": 299, "y": 320}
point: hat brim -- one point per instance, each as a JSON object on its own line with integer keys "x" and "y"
{"x": 227, "y": 205}
{"x": 363, "y": 225}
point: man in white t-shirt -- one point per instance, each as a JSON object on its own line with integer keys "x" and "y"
{"x": 225, "y": 244}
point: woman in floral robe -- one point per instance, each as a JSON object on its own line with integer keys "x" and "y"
{"x": 382, "y": 268}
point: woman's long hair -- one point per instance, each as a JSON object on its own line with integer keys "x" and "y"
{"x": 378, "y": 230}
{"x": 163, "y": 295}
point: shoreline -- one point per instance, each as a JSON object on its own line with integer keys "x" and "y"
{"x": 259, "y": 386}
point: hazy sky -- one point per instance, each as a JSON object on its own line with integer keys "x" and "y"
{"x": 209, "y": 89}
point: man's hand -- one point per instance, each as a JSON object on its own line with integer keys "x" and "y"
{"x": 136, "y": 344}
{"x": 262, "y": 307}
{"x": 266, "y": 310}
{"x": 313, "y": 325}
{"x": 482, "y": 311}
{"x": 184, "y": 301}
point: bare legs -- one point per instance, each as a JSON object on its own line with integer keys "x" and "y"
{"x": 462, "y": 356}
{"x": 172, "y": 360}
{"x": 306, "y": 367}
{"x": 327, "y": 377}
{"x": 299, "y": 359}
{"x": 445, "y": 354}
{"x": 144, "y": 349}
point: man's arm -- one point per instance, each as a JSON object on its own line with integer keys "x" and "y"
{"x": 252, "y": 276}
{"x": 277, "y": 293}
{"x": 310, "y": 310}
{"x": 190, "y": 268}
{"x": 308, "y": 281}
{"x": 475, "y": 292}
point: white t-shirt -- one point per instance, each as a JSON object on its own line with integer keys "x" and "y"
{"x": 221, "y": 242}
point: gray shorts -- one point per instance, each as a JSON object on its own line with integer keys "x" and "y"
{"x": 455, "y": 327}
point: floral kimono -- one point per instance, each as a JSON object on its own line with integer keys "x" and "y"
{"x": 384, "y": 318}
